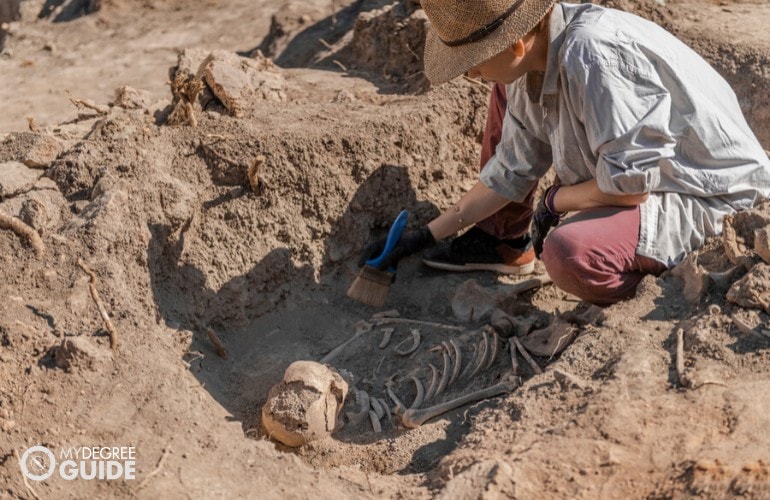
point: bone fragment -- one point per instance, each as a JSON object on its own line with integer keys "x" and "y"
{"x": 385, "y": 407}
{"x": 514, "y": 359}
{"x": 378, "y": 409}
{"x": 458, "y": 362}
{"x": 495, "y": 350}
{"x": 363, "y": 407}
{"x": 375, "y": 422}
{"x": 100, "y": 305}
{"x": 218, "y": 346}
{"x": 362, "y": 327}
{"x": 445, "y": 373}
{"x": 742, "y": 326}
{"x": 530, "y": 284}
{"x": 399, "y": 408}
{"x": 420, "y": 394}
{"x": 388, "y": 321}
{"x": 415, "y": 418}
{"x": 415, "y": 344}
{"x": 392, "y": 313}
{"x": 684, "y": 380}
{"x": 386, "y": 334}
{"x": 433, "y": 383}
{"x": 483, "y": 351}
{"x": 526, "y": 356}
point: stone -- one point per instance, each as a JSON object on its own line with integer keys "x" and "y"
{"x": 130, "y": 98}
{"x": 472, "y": 302}
{"x": 762, "y": 243}
{"x": 753, "y": 290}
{"x": 16, "y": 178}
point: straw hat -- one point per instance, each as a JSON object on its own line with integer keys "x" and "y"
{"x": 465, "y": 33}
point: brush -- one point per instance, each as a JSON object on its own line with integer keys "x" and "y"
{"x": 372, "y": 284}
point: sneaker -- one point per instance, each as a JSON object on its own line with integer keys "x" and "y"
{"x": 479, "y": 251}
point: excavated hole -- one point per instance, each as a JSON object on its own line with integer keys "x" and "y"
{"x": 269, "y": 272}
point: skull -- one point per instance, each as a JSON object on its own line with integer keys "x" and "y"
{"x": 304, "y": 406}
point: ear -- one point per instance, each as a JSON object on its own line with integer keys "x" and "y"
{"x": 518, "y": 48}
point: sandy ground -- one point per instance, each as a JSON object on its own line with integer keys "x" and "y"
{"x": 249, "y": 225}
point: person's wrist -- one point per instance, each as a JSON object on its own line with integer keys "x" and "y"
{"x": 549, "y": 198}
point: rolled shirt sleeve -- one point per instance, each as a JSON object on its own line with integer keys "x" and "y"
{"x": 626, "y": 111}
{"x": 521, "y": 158}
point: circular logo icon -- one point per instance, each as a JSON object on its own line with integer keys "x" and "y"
{"x": 38, "y": 463}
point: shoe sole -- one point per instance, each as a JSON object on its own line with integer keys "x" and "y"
{"x": 464, "y": 268}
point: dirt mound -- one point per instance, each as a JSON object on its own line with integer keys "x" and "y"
{"x": 244, "y": 216}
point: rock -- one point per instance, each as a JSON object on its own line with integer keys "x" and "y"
{"x": 130, "y": 98}
{"x": 487, "y": 479}
{"x": 42, "y": 151}
{"x": 551, "y": 340}
{"x": 753, "y": 290}
{"x": 16, "y": 178}
{"x": 80, "y": 352}
{"x": 472, "y": 302}
{"x": 568, "y": 381}
{"x": 305, "y": 405}
{"x": 762, "y": 243}
{"x": 237, "y": 80}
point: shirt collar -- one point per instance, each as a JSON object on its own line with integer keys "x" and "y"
{"x": 544, "y": 87}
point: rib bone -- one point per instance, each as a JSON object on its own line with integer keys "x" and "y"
{"x": 483, "y": 350}
{"x": 495, "y": 349}
{"x": 415, "y": 418}
{"x": 385, "y": 407}
{"x": 433, "y": 383}
{"x": 420, "y": 394}
{"x": 458, "y": 362}
{"x": 444, "y": 374}
{"x": 415, "y": 344}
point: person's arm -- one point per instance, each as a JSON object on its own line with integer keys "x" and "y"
{"x": 588, "y": 195}
{"x": 475, "y": 205}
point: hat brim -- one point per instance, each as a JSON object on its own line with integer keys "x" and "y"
{"x": 444, "y": 63}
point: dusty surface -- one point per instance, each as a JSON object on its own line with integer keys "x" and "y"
{"x": 250, "y": 227}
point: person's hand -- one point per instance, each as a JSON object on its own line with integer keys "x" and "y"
{"x": 410, "y": 242}
{"x": 544, "y": 219}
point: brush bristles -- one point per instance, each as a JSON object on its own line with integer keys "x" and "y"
{"x": 371, "y": 286}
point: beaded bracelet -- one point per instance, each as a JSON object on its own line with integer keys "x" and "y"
{"x": 550, "y": 194}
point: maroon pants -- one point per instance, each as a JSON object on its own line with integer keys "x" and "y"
{"x": 592, "y": 254}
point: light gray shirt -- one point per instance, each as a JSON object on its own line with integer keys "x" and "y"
{"x": 625, "y": 102}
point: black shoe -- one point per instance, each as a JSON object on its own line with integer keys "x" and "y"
{"x": 479, "y": 251}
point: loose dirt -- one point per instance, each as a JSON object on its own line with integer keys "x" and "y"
{"x": 297, "y": 139}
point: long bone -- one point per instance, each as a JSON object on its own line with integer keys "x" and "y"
{"x": 458, "y": 361}
{"x": 483, "y": 350}
{"x": 445, "y": 373}
{"x": 385, "y": 407}
{"x": 377, "y": 407}
{"x": 414, "y": 418}
{"x": 433, "y": 383}
{"x": 535, "y": 367}
{"x": 420, "y": 397}
{"x": 375, "y": 422}
{"x": 495, "y": 349}
{"x": 362, "y": 327}
{"x": 514, "y": 359}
